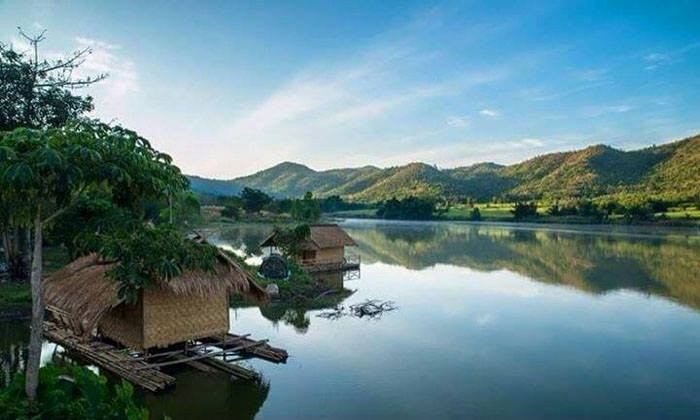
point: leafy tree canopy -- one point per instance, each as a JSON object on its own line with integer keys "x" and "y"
{"x": 254, "y": 200}
{"x": 289, "y": 240}
{"x": 70, "y": 393}
{"x": 151, "y": 253}
{"x": 43, "y": 171}
{"x": 37, "y": 93}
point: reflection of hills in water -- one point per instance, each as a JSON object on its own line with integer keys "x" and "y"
{"x": 592, "y": 262}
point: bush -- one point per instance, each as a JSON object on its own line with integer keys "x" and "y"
{"x": 231, "y": 212}
{"x": 70, "y": 393}
{"x": 523, "y": 210}
{"x": 475, "y": 214}
{"x": 411, "y": 208}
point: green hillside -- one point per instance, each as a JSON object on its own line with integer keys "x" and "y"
{"x": 671, "y": 170}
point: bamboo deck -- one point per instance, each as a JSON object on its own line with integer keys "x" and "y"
{"x": 145, "y": 370}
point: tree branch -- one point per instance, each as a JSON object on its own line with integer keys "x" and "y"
{"x": 69, "y": 62}
{"x": 75, "y": 83}
{"x": 67, "y": 207}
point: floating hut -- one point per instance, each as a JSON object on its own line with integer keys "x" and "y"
{"x": 189, "y": 314}
{"x": 324, "y": 249}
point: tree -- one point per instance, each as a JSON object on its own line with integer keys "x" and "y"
{"x": 36, "y": 93}
{"x": 307, "y": 209}
{"x": 232, "y": 212}
{"x": 254, "y": 200}
{"x": 524, "y": 210}
{"x": 290, "y": 240}
{"x": 475, "y": 214}
{"x": 45, "y": 172}
{"x": 410, "y": 208}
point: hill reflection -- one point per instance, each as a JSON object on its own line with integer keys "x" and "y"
{"x": 592, "y": 262}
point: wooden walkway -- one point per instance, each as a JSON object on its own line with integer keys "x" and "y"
{"x": 110, "y": 358}
{"x": 145, "y": 370}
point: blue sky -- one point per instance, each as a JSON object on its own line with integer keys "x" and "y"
{"x": 228, "y": 88}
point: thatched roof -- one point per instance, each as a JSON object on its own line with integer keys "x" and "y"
{"x": 82, "y": 291}
{"x": 322, "y": 236}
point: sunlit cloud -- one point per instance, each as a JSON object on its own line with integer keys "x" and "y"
{"x": 491, "y": 113}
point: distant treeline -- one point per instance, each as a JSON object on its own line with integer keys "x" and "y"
{"x": 635, "y": 209}
{"x": 251, "y": 201}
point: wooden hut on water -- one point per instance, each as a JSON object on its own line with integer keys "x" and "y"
{"x": 324, "y": 249}
{"x": 192, "y": 306}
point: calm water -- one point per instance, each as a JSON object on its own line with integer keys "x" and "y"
{"x": 493, "y": 322}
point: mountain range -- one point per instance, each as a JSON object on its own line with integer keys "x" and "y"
{"x": 671, "y": 170}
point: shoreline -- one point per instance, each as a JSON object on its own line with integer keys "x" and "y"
{"x": 543, "y": 220}
{"x": 601, "y": 229}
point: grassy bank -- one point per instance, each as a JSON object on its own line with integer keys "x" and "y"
{"x": 15, "y": 297}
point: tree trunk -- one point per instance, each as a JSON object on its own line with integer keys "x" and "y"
{"x": 35, "y": 337}
{"x": 6, "y": 248}
{"x": 27, "y": 252}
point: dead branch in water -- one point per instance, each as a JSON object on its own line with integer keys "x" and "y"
{"x": 371, "y": 308}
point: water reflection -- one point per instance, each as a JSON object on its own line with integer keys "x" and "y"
{"x": 595, "y": 263}
{"x": 295, "y": 314}
{"x": 494, "y": 322}
{"x": 14, "y": 336}
{"x": 209, "y": 396}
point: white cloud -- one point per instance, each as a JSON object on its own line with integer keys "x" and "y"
{"x": 457, "y": 121}
{"x": 19, "y": 44}
{"x": 106, "y": 58}
{"x": 491, "y": 113}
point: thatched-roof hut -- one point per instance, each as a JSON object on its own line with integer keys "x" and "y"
{"x": 325, "y": 245}
{"x": 194, "y": 305}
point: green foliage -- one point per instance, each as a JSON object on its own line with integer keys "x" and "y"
{"x": 70, "y": 393}
{"x": 475, "y": 214}
{"x": 77, "y": 229}
{"x": 34, "y": 99}
{"x": 147, "y": 254}
{"x": 14, "y": 294}
{"x": 290, "y": 240}
{"x": 44, "y": 171}
{"x": 232, "y": 212}
{"x": 411, "y": 208}
{"x": 524, "y": 210}
{"x": 306, "y": 209}
{"x": 254, "y": 200}
{"x": 184, "y": 205}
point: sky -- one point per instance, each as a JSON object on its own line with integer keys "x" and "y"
{"x": 230, "y": 88}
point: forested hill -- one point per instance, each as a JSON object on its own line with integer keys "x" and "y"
{"x": 671, "y": 170}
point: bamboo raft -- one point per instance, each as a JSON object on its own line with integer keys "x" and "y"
{"x": 145, "y": 369}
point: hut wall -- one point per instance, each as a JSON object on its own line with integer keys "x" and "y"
{"x": 124, "y": 324}
{"x": 169, "y": 318}
{"x": 330, "y": 254}
{"x": 161, "y": 318}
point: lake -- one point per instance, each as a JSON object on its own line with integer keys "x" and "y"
{"x": 493, "y": 321}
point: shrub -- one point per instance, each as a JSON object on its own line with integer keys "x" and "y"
{"x": 475, "y": 214}
{"x": 231, "y": 212}
{"x": 70, "y": 393}
{"x": 523, "y": 210}
{"x": 410, "y": 208}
